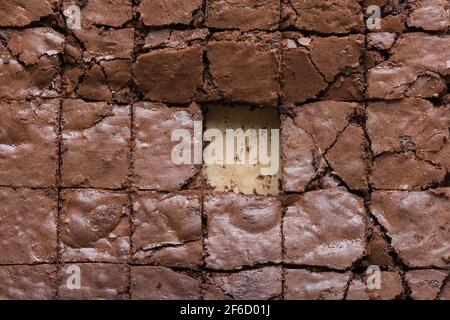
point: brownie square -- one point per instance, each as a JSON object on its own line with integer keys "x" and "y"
{"x": 153, "y": 165}
{"x": 95, "y": 226}
{"x": 412, "y": 151}
{"x": 169, "y": 12}
{"x": 160, "y": 283}
{"x": 324, "y": 16}
{"x": 404, "y": 75}
{"x": 325, "y": 228}
{"x": 256, "y": 284}
{"x": 27, "y": 226}
{"x": 390, "y": 287}
{"x": 19, "y": 13}
{"x": 311, "y": 65}
{"x": 245, "y": 68}
{"x": 303, "y": 284}
{"x": 96, "y": 144}
{"x": 244, "y": 15}
{"x": 417, "y": 223}
{"x": 28, "y": 143}
{"x": 425, "y": 284}
{"x": 320, "y": 136}
{"x": 112, "y": 13}
{"x": 242, "y": 230}
{"x": 30, "y": 63}
{"x": 98, "y": 281}
{"x": 22, "y": 282}
{"x": 159, "y": 71}
{"x": 167, "y": 229}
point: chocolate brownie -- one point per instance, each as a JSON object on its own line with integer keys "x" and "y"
{"x": 28, "y": 143}
{"x": 19, "y": 13}
{"x": 27, "y": 226}
{"x": 154, "y": 125}
{"x": 30, "y": 63}
{"x": 325, "y": 228}
{"x": 417, "y": 224}
{"x": 160, "y": 283}
{"x": 242, "y": 230}
{"x": 94, "y": 226}
{"x": 96, "y": 144}
{"x": 390, "y": 287}
{"x": 425, "y": 284}
{"x": 170, "y": 12}
{"x": 307, "y": 285}
{"x": 25, "y": 282}
{"x": 256, "y": 284}
{"x": 98, "y": 281}
{"x": 167, "y": 229}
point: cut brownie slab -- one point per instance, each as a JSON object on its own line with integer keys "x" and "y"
{"x": 96, "y": 144}
{"x": 325, "y": 228}
{"x": 19, "y": 13}
{"x": 390, "y": 287}
{"x": 27, "y": 226}
{"x": 170, "y": 12}
{"x": 167, "y": 229}
{"x": 242, "y": 230}
{"x": 425, "y": 284}
{"x": 95, "y": 226}
{"x": 28, "y": 143}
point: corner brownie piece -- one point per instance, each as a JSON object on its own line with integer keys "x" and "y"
{"x": 167, "y": 229}
{"x": 27, "y": 226}
{"x": 244, "y": 15}
{"x": 425, "y": 284}
{"x": 242, "y": 230}
{"x": 429, "y": 15}
{"x": 99, "y": 281}
{"x": 19, "y": 13}
{"x": 95, "y": 226}
{"x": 159, "y": 283}
{"x": 169, "y": 12}
{"x": 245, "y": 67}
{"x": 256, "y": 284}
{"x": 28, "y": 143}
{"x": 303, "y": 284}
{"x": 390, "y": 287}
{"x": 30, "y": 64}
{"x": 417, "y": 223}
{"x": 154, "y": 125}
{"x": 96, "y": 144}
{"x": 320, "y": 135}
{"x": 23, "y": 282}
{"x": 325, "y": 228}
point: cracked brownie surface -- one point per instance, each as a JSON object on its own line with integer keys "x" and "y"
{"x": 89, "y": 188}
